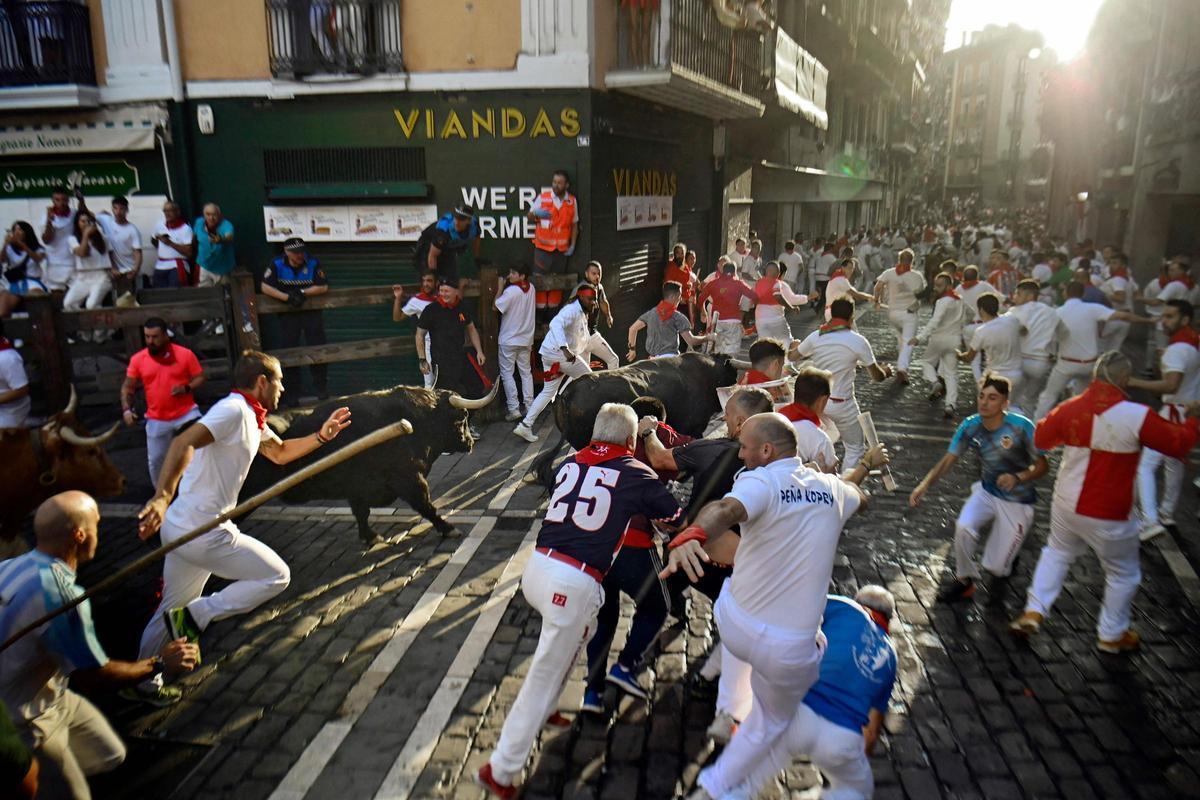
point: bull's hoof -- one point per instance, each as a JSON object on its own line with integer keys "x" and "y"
{"x": 451, "y": 532}
{"x": 370, "y": 540}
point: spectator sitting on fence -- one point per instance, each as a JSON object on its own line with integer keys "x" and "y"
{"x": 14, "y": 385}
{"x": 176, "y": 243}
{"x": 91, "y": 282}
{"x": 293, "y": 278}
{"x": 124, "y": 249}
{"x": 169, "y": 374}
{"x": 21, "y": 261}
{"x": 214, "y": 247}
{"x": 404, "y": 309}
{"x": 457, "y": 232}
{"x": 449, "y": 324}
{"x": 60, "y": 221}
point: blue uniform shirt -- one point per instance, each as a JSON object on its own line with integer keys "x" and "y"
{"x": 858, "y": 668}
{"x": 1009, "y": 448}
{"x": 592, "y": 505}
{"x": 284, "y": 276}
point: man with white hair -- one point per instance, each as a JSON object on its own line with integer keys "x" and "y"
{"x": 598, "y": 491}
{"x": 838, "y": 723}
{"x": 214, "y": 246}
{"x": 1102, "y": 434}
{"x": 769, "y": 614}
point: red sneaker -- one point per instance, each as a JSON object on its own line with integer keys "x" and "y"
{"x": 484, "y": 779}
{"x": 557, "y": 720}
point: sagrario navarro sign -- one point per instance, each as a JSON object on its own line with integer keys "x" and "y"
{"x": 38, "y": 180}
{"x": 40, "y": 143}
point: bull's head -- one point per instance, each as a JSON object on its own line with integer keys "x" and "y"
{"x": 727, "y": 369}
{"x": 75, "y": 459}
{"x": 456, "y": 407}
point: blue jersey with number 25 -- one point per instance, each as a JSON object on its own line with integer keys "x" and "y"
{"x": 593, "y": 502}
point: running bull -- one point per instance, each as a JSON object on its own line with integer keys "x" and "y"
{"x": 41, "y": 462}
{"x": 395, "y": 469}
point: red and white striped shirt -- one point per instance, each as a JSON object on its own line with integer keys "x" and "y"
{"x": 1103, "y": 434}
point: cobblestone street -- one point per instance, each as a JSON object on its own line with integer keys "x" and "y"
{"x": 388, "y": 674}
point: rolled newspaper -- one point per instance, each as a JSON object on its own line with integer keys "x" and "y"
{"x": 868, "y": 428}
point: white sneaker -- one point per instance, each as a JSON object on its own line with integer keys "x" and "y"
{"x": 1150, "y": 531}
{"x": 525, "y": 432}
{"x": 513, "y": 416}
{"x": 722, "y": 728}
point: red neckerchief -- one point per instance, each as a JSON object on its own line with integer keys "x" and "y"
{"x": 599, "y": 452}
{"x": 878, "y": 618}
{"x": 835, "y": 324}
{"x": 1162, "y": 282}
{"x": 62, "y": 214}
{"x": 949, "y": 293}
{"x": 665, "y": 309}
{"x": 797, "y": 412}
{"x": 969, "y": 284}
{"x": 428, "y": 298}
{"x": 1186, "y": 281}
{"x": 260, "y": 413}
{"x": 837, "y": 273}
{"x": 5, "y": 344}
{"x": 179, "y": 223}
{"x": 444, "y": 304}
{"x": 1184, "y": 335}
{"x": 754, "y": 376}
{"x": 523, "y": 285}
{"x": 1119, "y": 273}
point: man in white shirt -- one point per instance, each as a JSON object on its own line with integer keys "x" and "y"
{"x": 176, "y": 244}
{"x": 1042, "y": 272}
{"x": 823, "y": 268}
{"x": 516, "y": 302}
{"x": 1039, "y": 335}
{"x": 740, "y": 257}
{"x": 1179, "y": 286}
{"x": 57, "y": 229}
{"x": 1119, "y": 288}
{"x": 897, "y": 288}
{"x": 124, "y": 245}
{"x": 999, "y": 339}
{"x": 208, "y": 463}
{"x": 841, "y": 284}
{"x": 769, "y": 613}
{"x": 941, "y": 337}
{"x": 838, "y": 349}
{"x": 1156, "y": 340}
{"x": 793, "y": 264}
{"x": 1179, "y": 386}
{"x": 412, "y": 307}
{"x": 562, "y": 356}
{"x": 1078, "y": 344}
{"x": 810, "y": 393}
{"x": 14, "y": 385}
{"x": 970, "y": 291}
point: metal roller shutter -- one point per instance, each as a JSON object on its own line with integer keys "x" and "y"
{"x": 692, "y": 229}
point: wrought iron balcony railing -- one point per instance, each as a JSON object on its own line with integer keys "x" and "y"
{"x": 45, "y": 42}
{"x": 332, "y": 37}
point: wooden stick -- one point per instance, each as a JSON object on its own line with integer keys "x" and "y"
{"x": 401, "y": 428}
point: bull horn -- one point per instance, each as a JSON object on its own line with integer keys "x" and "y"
{"x": 72, "y": 401}
{"x": 71, "y": 437}
{"x": 474, "y": 405}
{"x": 739, "y": 364}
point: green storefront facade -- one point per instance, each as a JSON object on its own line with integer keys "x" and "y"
{"x": 492, "y": 150}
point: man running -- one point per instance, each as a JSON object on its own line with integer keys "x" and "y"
{"x": 562, "y": 354}
{"x": 664, "y": 325}
{"x": 1039, "y": 336}
{"x": 1003, "y": 497}
{"x": 998, "y": 337}
{"x": 941, "y": 337}
{"x": 1102, "y": 434}
{"x": 725, "y": 293}
{"x": 897, "y": 288}
{"x": 208, "y": 463}
{"x": 597, "y": 345}
{"x": 810, "y": 394}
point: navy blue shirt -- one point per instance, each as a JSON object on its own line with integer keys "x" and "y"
{"x": 284, "y": 276}
{"x": 592, "y": 505}
{"x": 858, "y": 668}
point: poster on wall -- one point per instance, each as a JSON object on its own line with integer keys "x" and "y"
{"x": 390, "y": 223}
{"x": 644, "y": 211}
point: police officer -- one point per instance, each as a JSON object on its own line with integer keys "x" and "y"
{"x": 293, "y": 278}
{"x": 456, "y": 232}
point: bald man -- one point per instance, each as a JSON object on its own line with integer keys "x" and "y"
{"x": 214, "y": 246}
{"x": 769, "y": 613}
{"x": 69, "y": 736}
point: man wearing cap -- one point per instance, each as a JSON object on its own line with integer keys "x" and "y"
{"x": 456, "y": 231}
{"x": 555, "y": 214}
{"x": 293, "y": 278}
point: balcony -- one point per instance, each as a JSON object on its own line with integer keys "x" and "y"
{"x": 690, "y": 59}
{"x": 310, "y": 39}
{"x": 902, "y": 136}
{"x": 46, "y": 55}
{"x": 877, "y": 63}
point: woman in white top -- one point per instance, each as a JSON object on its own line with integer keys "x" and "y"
{"x": 21, "y": 262}
{"x": 91, "y": 281}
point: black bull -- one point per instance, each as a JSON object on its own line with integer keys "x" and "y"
{"x": 686, "y": 384}
{"x": 395, "y": 469}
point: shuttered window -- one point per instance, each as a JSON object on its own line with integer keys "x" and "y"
{"x": 343, "y": 165}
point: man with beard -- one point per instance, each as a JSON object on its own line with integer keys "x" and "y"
{"x": 169, "y": 374}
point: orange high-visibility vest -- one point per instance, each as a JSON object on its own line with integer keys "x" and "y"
{"x": 554, "y": 233}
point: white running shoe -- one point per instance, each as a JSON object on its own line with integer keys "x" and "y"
{"x": 525, "y": 432}
{"x": 513, "y": 416}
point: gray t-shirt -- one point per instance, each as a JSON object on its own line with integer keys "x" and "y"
{"x": 662, "y": 337}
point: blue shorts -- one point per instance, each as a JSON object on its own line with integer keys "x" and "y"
{"x": 24, "y": 286}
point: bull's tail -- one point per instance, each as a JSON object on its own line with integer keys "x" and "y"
{"x": 543, "y": 466}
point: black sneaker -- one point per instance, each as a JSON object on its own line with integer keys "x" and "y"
{"x": 957, "y": 591}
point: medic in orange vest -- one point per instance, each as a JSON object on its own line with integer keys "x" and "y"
{"x": 556, "y": 214}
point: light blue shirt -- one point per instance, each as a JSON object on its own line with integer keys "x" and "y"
{"x": 216, "y": 258}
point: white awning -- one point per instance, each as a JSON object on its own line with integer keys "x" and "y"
{"x": 116, "y": 129}
{"x": 800, "y": 80}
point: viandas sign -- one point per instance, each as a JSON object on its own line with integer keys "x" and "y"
{"x": 106, "y": 178}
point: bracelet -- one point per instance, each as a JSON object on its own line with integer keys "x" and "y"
{"x": 322, "y": 439}
{"x": 689, "y": 534}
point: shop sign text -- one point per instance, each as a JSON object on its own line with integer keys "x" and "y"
{"x": 505, "y": 122}
{"x": 643, "y": 182}
{"x": 511, "y": 203}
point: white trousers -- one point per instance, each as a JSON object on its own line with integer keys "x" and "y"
{"x": 1061, "y": 375}
{"x": 728, "y": 337}
{"x": 1113, "y": 336}
{"x": 159, "y": 433}
{"x": 87, "y": 289}
{"x": 784, "y": 666}
{"x": 1153, "y": 511}
{"x": 508, "y": 357}
{"x": 568, "y": 369}
{"x": 771, "y": 323}
{"x": 734, "y": 696}
{"x": 838, "y": 752}
{"x": 843, "y": 415}
{"x": 72, "y": 740}
{"x": 941, "y": 361}
{"x": 427, "y": 377}
{"x": 257, "y": 572}
{"x": 1010, "y": 523}
{"x": 568, "y": 601}
{"x": 1115, "y": 543}
{"x": 597, "y": 345}
{"x": 56, "y": 275}
{"x": 904, "y": 324}
{"x": 1034, "y": 370}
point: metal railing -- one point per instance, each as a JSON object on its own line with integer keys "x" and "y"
{"x": 691, "y": 36}
{"x": 45, "y": 42}
{"x": 332, "y": 37}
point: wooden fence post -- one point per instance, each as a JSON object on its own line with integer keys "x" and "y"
{"x": 243, "y": 316}
{"x": 50, "y": 344}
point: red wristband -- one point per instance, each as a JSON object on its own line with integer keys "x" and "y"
{"x": 692, "y": 533}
